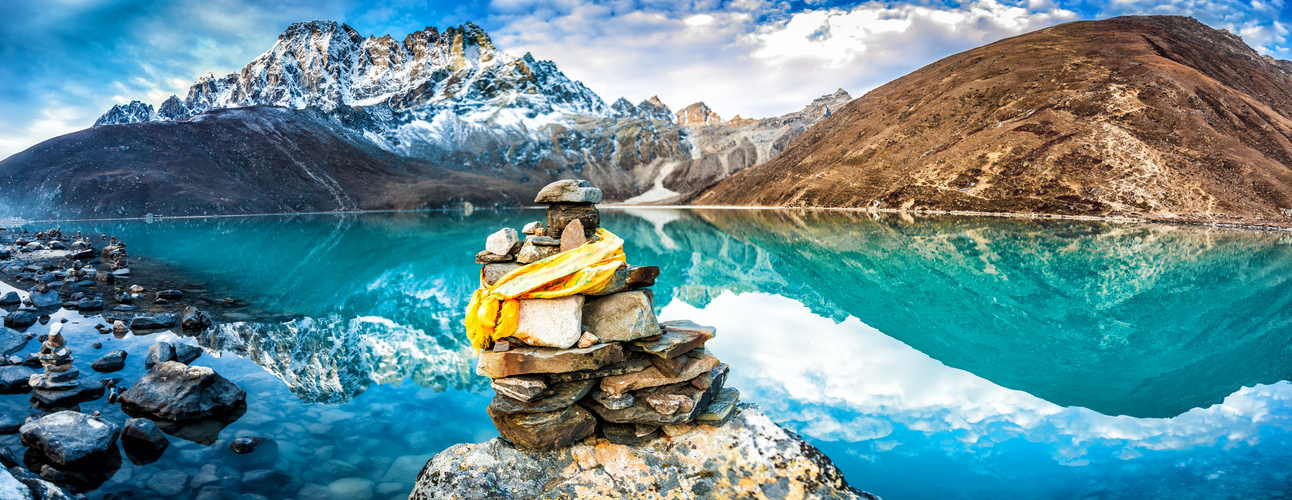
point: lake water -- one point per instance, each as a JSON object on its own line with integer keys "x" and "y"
{"x": 938, "y": 357}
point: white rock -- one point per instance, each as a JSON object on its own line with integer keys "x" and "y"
{"x": 535, "y": 227}
{"x": 551, "y": 322}
{"x": 500, "y": 243}
{"x": 11, "y": 488}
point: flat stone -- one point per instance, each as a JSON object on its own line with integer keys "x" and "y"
{"x": 533, "y": 228}
{"x": 651, "y": 377}
{"x": 569, "y": 191}
{"x": 545, "y": 431}
{"x": 676, "y": 341}
{"x": 522, "y": 388}
{"x": 85, "y": 390}
{"x": 495, "y": 271}
{"x": 612, "y": 401}
{"x": 560, "y": 214}
{"x": 543, "y": 241}
{"x": 170, "y": 294}
{"x": 11, "y": 341}
{"x": 63, "y": 376}
{"x": 559, "y": 397}
{"x": 486, "y": 257}
{"x": 42, "y": 381}
{"x": 643, "y": 412}
{"x": 621, "y": 317}
{"x": 671, "y": 367}
{"x": 634, "y": 364}
{"x": 152, "y": 322}
{"x": 501, "y": 242}
{"x": 642, "y": 276}
{"x": 68, "y": 437}
{"x": 14, "y": 379}
{"x": 523, "y": 360}
{"x": 626, "y": 434}
{"x": 530, "y": 253}
{"x": 721, "y": 409}
{"x": 550, "y": 322}
{"x": 572, "y": 236}
{"x": 173, "y": 391}
{"x": 47, "y": 299}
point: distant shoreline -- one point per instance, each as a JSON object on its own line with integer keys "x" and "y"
{"x": 1262, "y": 225}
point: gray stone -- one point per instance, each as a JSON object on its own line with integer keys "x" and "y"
{"x": 173, "y": 391}
{"x": 11, "y": 341}
{"x": 168, "y": 482}
{"x": 186, "y": 353}
{"x": 154, "y": 322}
{"x": 144, "y": 433}
{"x": 526, "y": 360}
{"x": 543, "y": 241}
{"x": 252, "y": 452}
{"x": 501, "y": 242}
{"x": 158, "y": 353}
{"x": 170, "y": 294}
{"x": 9, "y": 424}
{"x": 85, "y": 390}
{"x": 247, "y": 444}
{"x": 112, "y": 361}
{"x": 89, "y": 304}
{"x": 487, "y": 257}
{"x": 47, "y": 299}
{"x": 495, "y": 271}
{"x": 10, "y": 299}
{"x": 20, "y": 319}
{"x": 523, "y": 388}
{"x": 43, "y": 381}
{"x": 721, "y": 409}
{"x": 560, "y": 214}
{"x": 550, "y": 322}
{"x": 544, "y": 431}
{"x": 530, "y": 253}
{"x": 39, "y": 487}
{"x": 622, "y": 316}
{"x": 559, "y": 397}
{"x": 572, "y": 237}
{"x": 7, "y": 458}
{"x": 68, "y": 436}
{"x": 11, "y": 488}
{"x": 612, "y": 401}
{"x": 568, "y": 191}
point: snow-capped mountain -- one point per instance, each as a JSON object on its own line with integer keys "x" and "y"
{"x": 127, "y": 113}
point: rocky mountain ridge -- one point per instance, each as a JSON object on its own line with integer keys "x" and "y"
{"x": 1156, "y": 117}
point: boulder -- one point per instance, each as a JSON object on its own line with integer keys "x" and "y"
{"x": 67, "y": 436}
{"x": 550, "y": 322}
{"x": 750, "y": 458}
{"x": 141, "y": 432}
{"x": 628, "y": 434}
{"x": 173, "y": 391}
{"x": 20, "y": 319}
{"x": 11, "y": 341}
{"x": 618, "y": 282}
{"x": 502, "y": 241}
{"x": 112, "y": 361}
{"x": 568, "y": 191}
{"x": 559, "y": 215}
{"x": 523, "y": 360}
{"x": 544, "y": 431}
{"x": 560, "y": 397}
{"x": 621, "y": 317}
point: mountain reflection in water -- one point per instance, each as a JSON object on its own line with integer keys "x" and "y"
{"x": 884, "y": 339}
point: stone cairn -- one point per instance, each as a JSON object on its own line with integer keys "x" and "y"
{"x": 584, "y": 363}
{"x": 58, "y": 385}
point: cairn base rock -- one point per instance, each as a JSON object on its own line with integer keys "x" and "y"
{"x": 758, "y": 460}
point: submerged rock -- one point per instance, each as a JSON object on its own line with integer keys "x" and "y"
{"x": 68, "y": 436}
{"x": 173, "y": 391}
{"x": 750, "y": 457}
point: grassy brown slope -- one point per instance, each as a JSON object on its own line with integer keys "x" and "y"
{"x": 1141, "y": 116}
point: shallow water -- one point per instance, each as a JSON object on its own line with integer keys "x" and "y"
{"x": 929, "y": 358}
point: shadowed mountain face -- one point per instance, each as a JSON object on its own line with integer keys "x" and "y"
{"x": 1154, "y": 116}
{"x": 235, "y": 161}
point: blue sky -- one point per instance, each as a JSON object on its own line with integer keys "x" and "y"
{"x": 65, "y": 62}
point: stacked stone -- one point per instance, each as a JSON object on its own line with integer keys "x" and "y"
{"x": 58, "y": 385}
{"x": 599, "y": 362}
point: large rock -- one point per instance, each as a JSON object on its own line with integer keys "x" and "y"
{"x": 544, "y": 431}
{"x": 173, "y": 391}
{"x": 11, "y": 341}
{"x": 523, "y": 360}
{"x": 621, "y": 317}
{"x": 67, "y": 436}
{"x": 750, "y": 458}
{"x": 568, "y": 191}
{"x": 551, "y": 322}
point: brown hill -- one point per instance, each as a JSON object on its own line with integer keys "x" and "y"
{"x": 1160, "y": 117}
{"x": 234, "y": 161}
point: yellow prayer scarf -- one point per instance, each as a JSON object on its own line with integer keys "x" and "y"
{"x": 494, "y": 310}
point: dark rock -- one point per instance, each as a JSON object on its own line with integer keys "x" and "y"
{"x": 626, "y": 434}
{"x": 125, "y": 308}
{"x": 186, "y": 353}
{"x": 251, "y": 452}
{"x": 11, "y": 341}
{"x": 67, "y": 437}
{"x": 618, "y": 282}
{"x": 159, "y": 353}
{"x": 97, "y": 345}
{"x": 177, "y": 392}
{"x": 544, "y": 241}
{"x": 89, "y": 304}
{"x": 170, "y": 294}
{"x": 634, "y": 364}
{"x": 7, "y": 458}
{"x": 10, "y": 299}
{"x": 124, "y": 298}
{"x": 494, "y": 272}
{"x": 20, "y": 319}
{"x": 143, "y": 433}
{"x": 524, "y": 360}
{"x": 39, "y": 488}
{"x": 85, "y": 390}
{"x": 612, "y": 401}
{"x": 245, "y": 445}
{"x": 52, "y": 474}
{"x": 112, "y": 361}
{"x": 152, "y": 322}
{"x": 9, "y": 424}
{"x": 642, "y": 276}
{"x": 43, "y": 300}
{"x": 721, "y": 408}
{"x": 193, "y": 319}
{"x": 530, "y": 253}
{"x": 559, "y": 215}
{"x": 560, "y": 397}
{"x": 545, "y": 431}
{"x": 14, "y": 379}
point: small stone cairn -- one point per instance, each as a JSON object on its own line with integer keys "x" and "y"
{"x": 58, "y": 385}
{"x": 582, "y": 364}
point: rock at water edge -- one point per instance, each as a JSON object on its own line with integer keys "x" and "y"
{"x": 749, "y": 458}
{"x": 522, "y": 388}
{"x": 174, "y": 391}
{"x": 551, "y": 322}
{"x": 68, "y": 436}
{"x": 145, "y": 433}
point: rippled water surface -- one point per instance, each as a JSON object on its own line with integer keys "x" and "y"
{"x": 928, "y": 357}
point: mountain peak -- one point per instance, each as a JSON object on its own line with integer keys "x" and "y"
{"x": 697, "y": 114}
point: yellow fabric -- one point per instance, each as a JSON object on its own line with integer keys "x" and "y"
{"x": 493, "y": 312}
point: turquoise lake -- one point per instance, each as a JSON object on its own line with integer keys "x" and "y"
{"x": 929, "y": 357}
